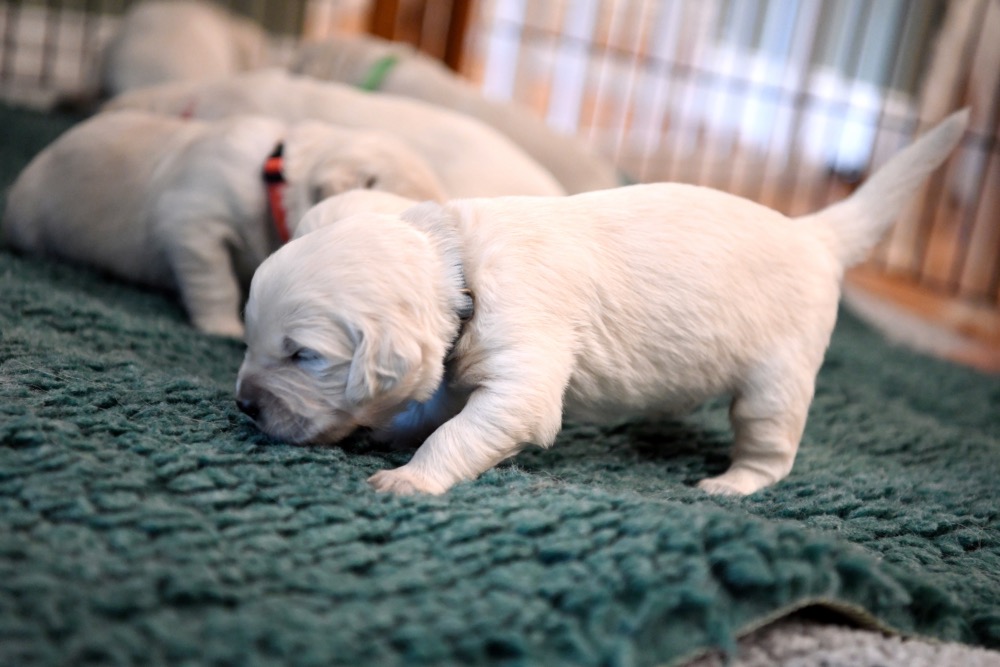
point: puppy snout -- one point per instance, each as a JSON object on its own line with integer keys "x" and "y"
{"x": 248, "y": 400}
{"x": 248, "y": 407}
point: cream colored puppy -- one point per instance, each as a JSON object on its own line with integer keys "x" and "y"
{"x": 180, "y": 40}
{"x": 351, "y": 202}
{"x": 470, "y": 158}
{"x": 486, "y": 321}
{"x": 352, "y": 59}
{"x": 183, "y": 204}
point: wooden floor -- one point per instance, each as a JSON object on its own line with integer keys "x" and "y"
{"x": 917, "y": 317}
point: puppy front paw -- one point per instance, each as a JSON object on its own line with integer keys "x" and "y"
{"x": 719, "y": 487}
{"x": 231, "y": 328}
{"x": 738, "y": 481}
{"x": 405, "y": 481}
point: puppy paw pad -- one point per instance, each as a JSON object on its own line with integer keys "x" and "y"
{"x": 402, "y": 482}
{"x": 719, "y": 487}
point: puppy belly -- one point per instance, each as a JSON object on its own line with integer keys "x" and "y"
{"x": 612, "y": 405}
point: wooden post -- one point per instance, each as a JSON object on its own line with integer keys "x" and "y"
{"x": 383, "y": 17}
{"x": 461, "y": 12}
{"x": 384, "y": 21}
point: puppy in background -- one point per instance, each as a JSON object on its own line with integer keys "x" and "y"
{"x": 180, "y": 40}
{"x": 352, "y": 58}
{"x": 470, "y": 158}
{"x": 511, "y": 313}
{"x": 183, "y": 205}
{"x": 159, "y": 41}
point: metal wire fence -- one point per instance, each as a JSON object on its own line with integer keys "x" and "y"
{"x": 788, "y": 102}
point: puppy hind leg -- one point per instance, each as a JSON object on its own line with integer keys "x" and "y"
{"x": 767, "y": 423}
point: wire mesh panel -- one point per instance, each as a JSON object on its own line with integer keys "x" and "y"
{"x": 51, "y": 47}
{"x": 787, "y": 102}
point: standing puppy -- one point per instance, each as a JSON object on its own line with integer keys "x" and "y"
{"x": 507, "y": 314}
{"x": 183, "y": 204}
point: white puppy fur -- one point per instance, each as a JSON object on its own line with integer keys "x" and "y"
{"x": 470, "y": 158}
{"x": 182, "y": 204}
{"x": 351, "y": 202}
{"x": 642, "y": 300}
{"x": 350, "y": 59}
{"x": 180, "y": 40}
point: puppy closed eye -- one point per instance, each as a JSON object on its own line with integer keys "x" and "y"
{"x": 309, "y": 360}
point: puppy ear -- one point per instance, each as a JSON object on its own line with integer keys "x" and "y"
{"x": 378, "y": 366}
{"x": 426, "y": 215}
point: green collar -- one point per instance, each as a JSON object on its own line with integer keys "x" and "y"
{"x": 376, "y": 75}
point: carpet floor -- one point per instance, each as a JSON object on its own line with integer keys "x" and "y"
{"x": 143, "y": 520}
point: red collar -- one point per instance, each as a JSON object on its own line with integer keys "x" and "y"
{"x": 274, "y": 180}
{"x": 187, "y": 113}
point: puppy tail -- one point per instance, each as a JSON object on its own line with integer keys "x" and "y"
{"x": 857, "y": 223}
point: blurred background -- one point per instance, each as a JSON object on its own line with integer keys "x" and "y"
{"x": 787, "y": 102}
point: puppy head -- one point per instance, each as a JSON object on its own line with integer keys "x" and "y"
{"x": 343, "y": 328}
{"x": 347, "y": 204}
{"x": 322, "y": 161}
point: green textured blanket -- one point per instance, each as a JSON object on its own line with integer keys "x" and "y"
{"x": 143, "y": 520}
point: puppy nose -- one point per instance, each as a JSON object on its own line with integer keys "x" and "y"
{"x": 248, "y": 407}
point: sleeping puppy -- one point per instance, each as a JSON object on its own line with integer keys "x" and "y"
{"x": 470, "y": 158}
{"x": 183, "y": 204}
{"x": 179, "y": 40}
{"x": 158, "y": 41}
{"x": 352, "y": 58}
{"x": 505, "y": 315}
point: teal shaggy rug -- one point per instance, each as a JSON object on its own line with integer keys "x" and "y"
{"x": 143, "y": 520}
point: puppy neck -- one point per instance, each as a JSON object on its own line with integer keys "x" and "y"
{"x": 439, "y": 224}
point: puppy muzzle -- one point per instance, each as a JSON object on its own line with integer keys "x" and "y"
{"x": 249, "y": 399}
{"x": 258, "y": 403}
{"x": 272, "y": 415}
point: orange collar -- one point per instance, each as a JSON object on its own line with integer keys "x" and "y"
{"x": 274, "y": 180}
